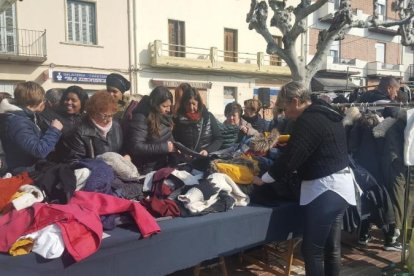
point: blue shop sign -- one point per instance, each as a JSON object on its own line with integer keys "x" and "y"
{"x": 273, "y": 91}
{"x": 74, "y": 77}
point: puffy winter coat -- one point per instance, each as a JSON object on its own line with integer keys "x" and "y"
{"x": 232, "y": 134}
{"x": 203, "y": 134}
{"x": 147, "y": 152}
{"x": 69, "y": 121}
{"x": 23, "y": 141}
{"x": 86, "y": 142}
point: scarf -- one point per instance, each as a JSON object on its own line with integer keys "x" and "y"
{"x": 103, "y": 131}
{"x": 193, "y": 116}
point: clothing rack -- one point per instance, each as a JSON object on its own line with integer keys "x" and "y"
{"x": 407, "y": 183}
{"x": 407, "y": 104}
{"x": 365, "y": 87}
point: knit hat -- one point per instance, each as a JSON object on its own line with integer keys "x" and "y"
{"x": 117, "y": 81}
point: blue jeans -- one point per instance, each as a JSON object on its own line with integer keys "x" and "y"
{"x": 321, "y": 246}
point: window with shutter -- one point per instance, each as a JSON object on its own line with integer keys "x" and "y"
{"x": 81, "y": 23}
{"x": 6, "y": 86}
{"x": 381, "y": 8}
{"x": 230, "y": 45}
{"x": 8, "y": 43}
{"x": 176, "y": 38}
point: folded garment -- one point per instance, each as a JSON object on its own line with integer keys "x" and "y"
{"x": 31, "y": 195}
{"x": 48, "y": 242}
{"x": 21, "y": 247}
{"x": 81, "y": 175}
{"x": 123, "y": 167}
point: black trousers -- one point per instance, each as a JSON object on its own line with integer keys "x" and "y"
{"x": 321, "y": 246}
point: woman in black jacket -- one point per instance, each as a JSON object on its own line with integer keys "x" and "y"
{"x": 97, "y": 132}
{"x": 72, "y": 107}
{"x": 69, "y": 111}
{"x": 148, "y": 138}
{"x": 317, "y": 151}
{"x": 195, "y": 127}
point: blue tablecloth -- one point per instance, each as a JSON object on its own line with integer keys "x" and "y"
{"x": 182, "y": 243}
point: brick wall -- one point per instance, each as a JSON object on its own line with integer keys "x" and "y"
{"x": 393, "y": 53}
{"x": 360, "y": 48}
{"x": 357, "y": 47}
{"x": 364, "y": 49}
{"x": 391, "y": 14}
{"x": 313, "y": 39}
{"x": 367, "y": 7}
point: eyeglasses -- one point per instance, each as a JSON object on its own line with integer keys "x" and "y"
{"x": 106, "y": 117}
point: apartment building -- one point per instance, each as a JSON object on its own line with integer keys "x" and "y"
{"x": 59, "y": 43}
{"x": 364, "y": 55}
{"x": 207, "y": 44}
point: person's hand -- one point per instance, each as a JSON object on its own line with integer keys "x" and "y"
{"x": 57, "y": 124}
{"x": 204, "y": 153}
{"x": 127, "y": 157}
{"x": 257, "y": 181}
{"x": 244, "y": 129}
{"x": 171, "y": 147}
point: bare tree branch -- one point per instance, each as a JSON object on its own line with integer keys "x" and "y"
{"x": 302, "y": 11}
{"x": 386, "y": 24}
{"x": 342, "y": 22}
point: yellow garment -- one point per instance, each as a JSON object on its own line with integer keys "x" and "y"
{"x": 240, "y": 174}
{"x": 21, "y": 247}
{"x": 283, "y": 138}
{"x": 253, "y": 162}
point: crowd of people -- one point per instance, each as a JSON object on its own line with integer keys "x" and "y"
{"x": 68, "y": 126}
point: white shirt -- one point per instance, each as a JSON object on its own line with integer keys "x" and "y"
{"x": 343, "y": 183}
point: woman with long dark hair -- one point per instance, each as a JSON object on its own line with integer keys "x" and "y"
{"x": 148, "y": 138}
{"x": 195, "y": 127}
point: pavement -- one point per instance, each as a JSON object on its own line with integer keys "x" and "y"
{"x": 370, "y": 260}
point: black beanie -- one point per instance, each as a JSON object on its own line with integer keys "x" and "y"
{"x": 117, "y": 81}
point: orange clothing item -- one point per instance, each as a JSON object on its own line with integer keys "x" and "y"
{"x": 9, "y": 186}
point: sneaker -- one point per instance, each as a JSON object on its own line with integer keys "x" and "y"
{"x": 365, "y": 239}
{"x": 395, "y": 246}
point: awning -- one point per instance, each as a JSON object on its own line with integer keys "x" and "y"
{"x": 331, "y": 84}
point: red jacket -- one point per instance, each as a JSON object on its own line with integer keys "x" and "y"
{"x": 79, "y": 221}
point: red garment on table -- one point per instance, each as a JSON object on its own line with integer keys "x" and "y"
{"x": 79, "y": 221}
{"x": 9, "y": 186}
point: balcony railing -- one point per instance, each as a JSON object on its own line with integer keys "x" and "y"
{"x": 21, "y": 44}
{"x": 384, "y": 69}
{"x": 168, "y": 55}
{"x": 411, "y": 72}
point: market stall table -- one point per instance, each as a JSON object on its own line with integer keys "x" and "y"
{"x": 182, "y": 243}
